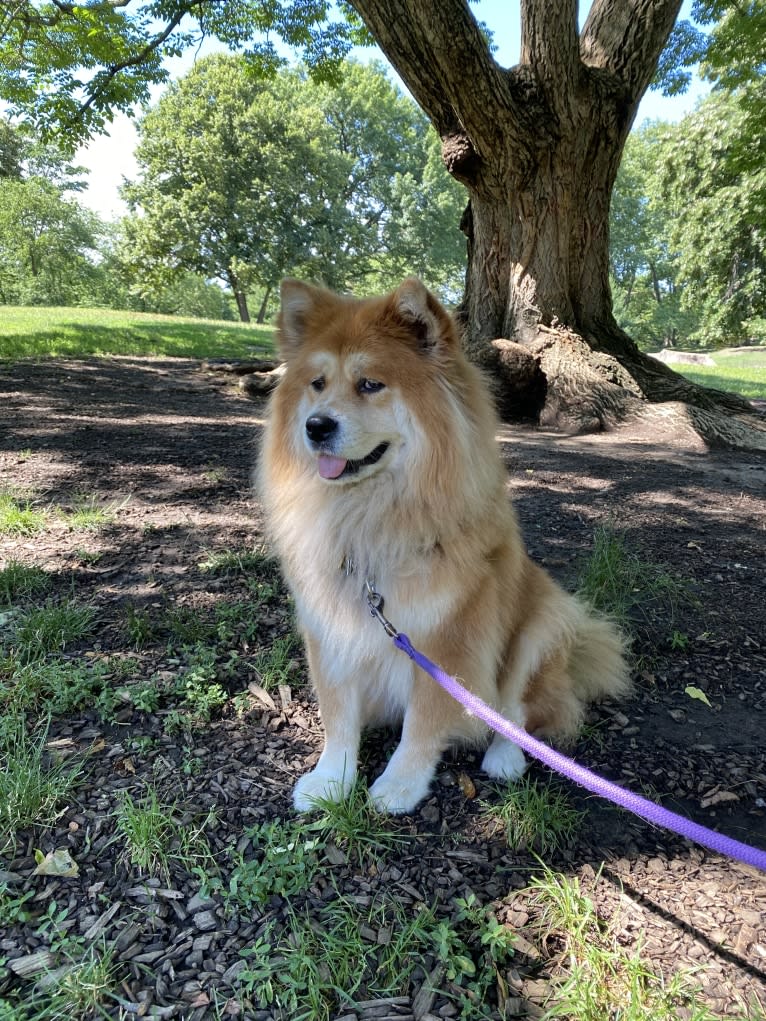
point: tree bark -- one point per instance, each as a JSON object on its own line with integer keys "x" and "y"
{"x": 537, "y": 147}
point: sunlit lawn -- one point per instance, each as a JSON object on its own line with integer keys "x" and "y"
{"x": 37, "y": 332}
{"x": 743, "y": 372}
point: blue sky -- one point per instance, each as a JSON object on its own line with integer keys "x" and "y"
{"x": 109, "y": 158}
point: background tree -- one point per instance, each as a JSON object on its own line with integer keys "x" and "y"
{"x": 714, "y": 177}
{"x": 245, "y": 179}
{"x": 643, "y": 259}
{"x": 47, "y": 239}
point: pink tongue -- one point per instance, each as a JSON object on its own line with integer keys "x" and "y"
{"x": 330, "y": 467}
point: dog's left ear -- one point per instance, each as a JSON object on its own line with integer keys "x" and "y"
{"x": 420, "y": 312}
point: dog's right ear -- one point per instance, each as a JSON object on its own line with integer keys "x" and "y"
{"x": 299, "y": 300}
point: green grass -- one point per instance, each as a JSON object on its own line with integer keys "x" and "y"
{"x": 21, "y": 581}
{"x": 742, "y": 372}
{"x": 18, "y": 516}
{"x": 32, "y": 787}
{"x": 602, "y": 979}
{"x": 52, "y": 627}
{"x": 534, "y": 816}
{"x": 616, "y": 581}
{"x": 33, "y": 332}
{"x": 152, "y": 837}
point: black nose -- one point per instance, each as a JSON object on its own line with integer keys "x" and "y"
{"x": 320, "y": 428}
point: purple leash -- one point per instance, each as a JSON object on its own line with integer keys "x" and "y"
{"x": 640, "y": 806}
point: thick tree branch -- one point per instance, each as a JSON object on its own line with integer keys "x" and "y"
{"x": 612, "y": 40}
{"x": 438, "y": 49}
{"x": 549, "y": 44}
{"x": 109, "y": 73}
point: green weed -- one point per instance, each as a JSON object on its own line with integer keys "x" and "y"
{"x": 89, "y": 514}
{"x": 51, "y": 628}
{"x": 617, "y": 582}
{"x": 18, "y": 516}
{"x": 272, "y": 666}
{"x": 287, "y": 859}
{"x": 32, "y": 787}
{"x": 603, "y": 979}
{"x": 21, "y": 581}
{"x": 353, "y": 825}
{"x": 535, "y": 816}
{"x": 153, "y": 837}
{"x": 56, "y": 687}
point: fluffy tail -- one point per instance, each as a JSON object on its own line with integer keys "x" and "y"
{"x": 598, "y": 664}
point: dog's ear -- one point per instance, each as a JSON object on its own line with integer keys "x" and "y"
{"x": 299, "y": 301}
{"x": 423, "y": 316}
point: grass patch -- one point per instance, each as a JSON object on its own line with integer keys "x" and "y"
{"x": 153, "y": 838}
{"x": 603, "y": 979}
{"x": 354, "y": 827}
{"x": 534, "y": 816}
{"x": 615, "y": 581}
{"x": 21, "y": 581}
{"x": 35, "y": 332}
{"x": 32, "y": 787}
{"x": 742, "y": 372}
{"x": 312, "y": 970}
{"x": 89, "y": 514}
{"x": 55, "y": 687}
{"x": 287, "y": 858}
{"x": 18, "y": 516}
{"x": 51, "y": 628}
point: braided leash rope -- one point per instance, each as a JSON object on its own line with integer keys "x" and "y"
{"x": 635, "y": 803}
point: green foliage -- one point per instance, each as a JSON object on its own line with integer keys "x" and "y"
{"x": 354, "y": 826}
{"x": 54, "y": 626}
{"x": 153, "y": 837}
{"x": 69, "y": 67}
{"x": 714, "y": 179}
{"x": 286, "y": 862}
{"x": 616, "y": 581}
{"x": 55, "y": 687}
{"x": 287, "y": 176}
{"x": 602, "y": 979}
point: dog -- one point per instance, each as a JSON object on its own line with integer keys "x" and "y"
{"x": 379, "y": 467}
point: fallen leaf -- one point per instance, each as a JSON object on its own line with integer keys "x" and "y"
{"x": 718, "y": 798}
{"x": 56, "y": 863}
{"x": 466, "y": 785}
{"x": 697, "y": 693}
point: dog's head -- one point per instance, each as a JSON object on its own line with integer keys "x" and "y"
{"x": 363, "y": 376}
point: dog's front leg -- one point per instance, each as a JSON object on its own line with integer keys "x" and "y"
{"x": 335, "y": 772}
{"x": 425, "y": 735}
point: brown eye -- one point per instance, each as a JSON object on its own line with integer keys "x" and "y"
{"x": 318, "y": 384}
{"x": 370, "y": 386}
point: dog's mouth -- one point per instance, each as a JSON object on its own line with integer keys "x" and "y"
{"x": 339, "y": 467}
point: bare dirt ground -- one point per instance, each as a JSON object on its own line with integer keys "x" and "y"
{"x": 174, "y": 447}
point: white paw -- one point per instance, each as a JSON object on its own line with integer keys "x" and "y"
{"x": 319, "y": 785}
{"x": 397, "y": 793}
{"x": 504, "y": 760}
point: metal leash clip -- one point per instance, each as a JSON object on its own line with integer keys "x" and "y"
{"x": 375, "y": 603}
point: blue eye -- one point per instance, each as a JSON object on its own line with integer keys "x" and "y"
{"x": 370, "y": 386}
{"x": 318, "y": 384}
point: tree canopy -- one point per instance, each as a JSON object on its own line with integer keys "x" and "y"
{"x": 245, "y": 179}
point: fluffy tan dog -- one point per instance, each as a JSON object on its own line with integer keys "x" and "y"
{"x": 380, "y": 464}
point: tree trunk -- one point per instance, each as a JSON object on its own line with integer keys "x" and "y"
{"x": 261, "y": 317}
{"x": 538, "y": 147}
{"x": 241, "y": 299}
